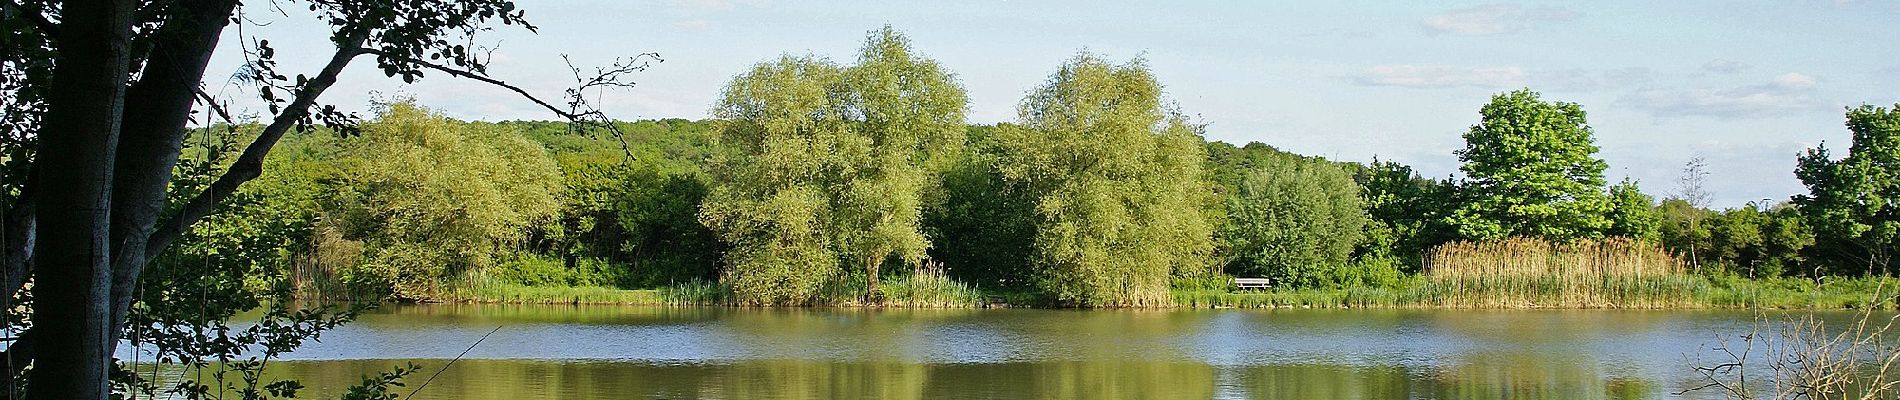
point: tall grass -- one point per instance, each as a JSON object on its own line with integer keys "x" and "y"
{"x": 921, "y": 288}
{"x": 929, "y": 287}
{"x": 1522, "y": 272}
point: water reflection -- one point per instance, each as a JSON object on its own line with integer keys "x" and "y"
{"x": 516, "y": 379}
{"x": 569, "y": 352}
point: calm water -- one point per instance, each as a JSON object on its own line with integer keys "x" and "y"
{"x": 604, "y": 352}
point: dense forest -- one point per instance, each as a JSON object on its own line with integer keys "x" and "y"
{"x": 137, "y": 208}
{"x": 816, "y": 181}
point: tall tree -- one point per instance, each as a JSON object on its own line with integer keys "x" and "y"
{"x": 829, "y": 162}
{"x": 75, "y": 167}
{"x": 1531, "y": 170}
{"x": 770, "y": 203}
{"x": 103, "y": 130}
{"x": 1853, "y": 203}
{"x": 1118, "y": 184}
{"x": 911, "y": 113}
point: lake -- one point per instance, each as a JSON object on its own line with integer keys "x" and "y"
{"x": 612, "y": 352}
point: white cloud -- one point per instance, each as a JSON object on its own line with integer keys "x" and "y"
{"x": 1495, "y": 19}
{"x": 1440, "y": 76}
{"x": 1790, "y": 92}
{"x": 1721, "y": 66}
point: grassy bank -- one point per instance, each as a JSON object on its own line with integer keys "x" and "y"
{"x": 1670, "y": 292}
{"x": 1516, "y": 273}
{"x": 920, "y": 290}
{"x": 1680, "y": 291}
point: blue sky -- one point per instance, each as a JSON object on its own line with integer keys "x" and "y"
{"x": 1746, "y": 84}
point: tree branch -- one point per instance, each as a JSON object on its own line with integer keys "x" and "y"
{"x": 580, "y": 111}
{"x": 461, "y": 73}
{"x": 250, "y": 163}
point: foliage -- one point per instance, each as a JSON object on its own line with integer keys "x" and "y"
{"x": 1117, "y": 182}
{"x": 431, "y": 198}
{"x": 982, "y": 225}
{"x": 1531, "y": 170}
{"x": 1294, "y": 220}
{"x": 1853, "y": 203}
{"x": 1408, "y": 213}
{"x": 1632, "y": 213}
{"x": 828, "y": 163}
{"x": 663, "y": 236}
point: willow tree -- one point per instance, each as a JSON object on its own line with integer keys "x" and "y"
{"x": 1117, "y": 180}
{"x": 828, "y": 165}
{"x": 433, "y": 197}
{"x": 1531, "y": 170}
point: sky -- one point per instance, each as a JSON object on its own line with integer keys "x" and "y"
{"x": 1747, "y": 85}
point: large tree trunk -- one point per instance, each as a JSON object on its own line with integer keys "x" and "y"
{"x": 157, "y": 108}
{"x": 73, "y": 254}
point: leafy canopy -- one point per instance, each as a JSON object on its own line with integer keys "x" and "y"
{"x": 1118, "y": 184}
{"x": 828, "y": 163}
{"x": 1531, "y": 170}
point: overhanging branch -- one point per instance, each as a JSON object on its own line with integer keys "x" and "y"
{"x": 250, "y": 163}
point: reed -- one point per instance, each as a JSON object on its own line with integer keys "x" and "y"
{"x": 924, "y": 287}
{"x": 1524, "y": 272}
{"x": 929, "y": 287}
{"x": 523, "y": 294}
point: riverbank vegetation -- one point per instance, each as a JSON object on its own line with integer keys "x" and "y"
{"x": 861, "y": 184}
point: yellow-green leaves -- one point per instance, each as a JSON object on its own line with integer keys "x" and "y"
{"x": 827, "y": 166}
{"x": 433, "y": 196}
{"x": 1118, "y": 184}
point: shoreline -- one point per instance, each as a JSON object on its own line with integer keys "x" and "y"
{"x": 1707, "y": 293}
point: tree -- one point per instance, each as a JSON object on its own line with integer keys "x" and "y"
{"x": 1735, "y": 239}
{"x": 1785, "y": 240}
{"x": 1118, "y": 184}
{"x": 1296, "y": 220}
{"x": 431, "y": 198}
{"x": 769, "y": 200}
{"x": 1408, "y": 212}
{"x": 911, "y": 113}
{"x": 1682, "y": 230}
{"x": 1531, "y": 170}
{"x": 1632, "y": 213}
{"x": 102, "y": 127}
{"x": 983, "y": 227}
{"x": 829, "y": 163}
{"x": 1853, "y": 204}
{"x": 1690, "y": 186}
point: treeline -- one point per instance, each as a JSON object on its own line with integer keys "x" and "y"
{"x": 818, "y": 179}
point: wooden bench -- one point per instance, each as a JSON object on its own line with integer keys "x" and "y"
{"x": 1253, "y": 283}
